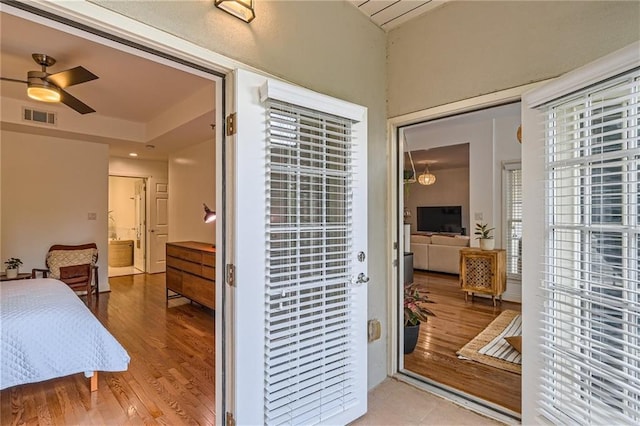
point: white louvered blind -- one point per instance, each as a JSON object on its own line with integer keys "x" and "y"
{"x": 591, "y": 318}
{"x": 309, "y": 362}
{"x": 513, "y": 218}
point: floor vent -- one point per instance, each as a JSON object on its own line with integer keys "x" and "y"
{"x": 42, "y": 117}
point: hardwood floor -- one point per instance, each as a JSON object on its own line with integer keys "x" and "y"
{"x": 455, "y": 324}
{"x": 170, "y": 379}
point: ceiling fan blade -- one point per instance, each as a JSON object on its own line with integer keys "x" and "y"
{"x": 13, "y": 80}
{"x": 71, "y": 76}
{"x": 75, "y": 103}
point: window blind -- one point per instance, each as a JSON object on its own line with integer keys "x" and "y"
{"x": 309, "y": 362}
{"x": 591, "y": 318}
{"x": 513, "y": 218}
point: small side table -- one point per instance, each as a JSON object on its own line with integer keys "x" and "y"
{"x": 21, "y": 276}
{"x": 483, "y": 271}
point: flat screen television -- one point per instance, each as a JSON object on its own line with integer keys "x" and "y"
{"x": 440, "y": 219}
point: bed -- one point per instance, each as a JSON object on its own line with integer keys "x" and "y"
{"x": 46, "y": 332}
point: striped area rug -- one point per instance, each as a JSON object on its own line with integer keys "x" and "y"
{"x": 490, "y": 348}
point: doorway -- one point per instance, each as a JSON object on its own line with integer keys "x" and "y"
{"x": 441, "y": 212}
{"x": 127, "y": 225}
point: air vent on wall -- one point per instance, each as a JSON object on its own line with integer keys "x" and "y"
{"x": 42, "y": 117}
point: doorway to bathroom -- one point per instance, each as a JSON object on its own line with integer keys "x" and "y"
{"x": 127, "y": 225}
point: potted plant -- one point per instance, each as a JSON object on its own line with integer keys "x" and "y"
{"x": 483, "y": 233}
{"x": 414, "y": 315}
{"x": 12, "y": 267}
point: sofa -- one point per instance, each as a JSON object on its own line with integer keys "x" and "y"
{"x": 438, "y": 253}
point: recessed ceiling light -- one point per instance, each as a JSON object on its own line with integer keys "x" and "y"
{"x": 133, "y": 154}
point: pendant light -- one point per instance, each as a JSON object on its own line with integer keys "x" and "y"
{"x": 426, "y": 178}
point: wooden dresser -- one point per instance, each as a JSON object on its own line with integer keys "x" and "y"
{"x": 191, "y": 271}
{"x": 483, "y": 271}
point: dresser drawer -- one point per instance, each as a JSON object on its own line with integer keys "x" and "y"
{"x": 183, "y": 265}
{"x": 185, "y": 254}
{"x": 209, "y": 259}
{"x": 199, "y": 289}
{"x": 174, "y": 280}
{"x": 209, "y": 273}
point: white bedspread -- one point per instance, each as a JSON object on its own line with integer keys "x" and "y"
{"x": 47, "y": 331}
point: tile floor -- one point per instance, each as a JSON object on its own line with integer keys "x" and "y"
{"x": 397, "y": 403}
{"x": 125, "y": 270}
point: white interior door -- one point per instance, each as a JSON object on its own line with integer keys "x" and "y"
{"x": 159, "y": 226}
{"x": 299, "y": 221}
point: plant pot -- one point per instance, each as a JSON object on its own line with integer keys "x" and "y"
{"x": 12, "y": 273}
{"x": 487, "y": 243}
{"x": 411, "y": 333}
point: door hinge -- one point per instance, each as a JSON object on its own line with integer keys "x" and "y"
{"x": 231, "y": 124}
{"x": 395, "y": 262}
{"x": 230, "y": 274}
{"x": 230, "y": 420}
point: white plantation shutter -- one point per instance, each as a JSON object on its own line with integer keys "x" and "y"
{"x": 591, "y": 318}
{"x": 309, "y": 340}
{"x": 513, "y": 218}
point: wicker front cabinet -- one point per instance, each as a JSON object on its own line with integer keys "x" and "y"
{"x": 484, "y": 272}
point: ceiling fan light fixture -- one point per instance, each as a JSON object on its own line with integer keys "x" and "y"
{"x": 45, "y": 92}
{"x": 241, "y": 9}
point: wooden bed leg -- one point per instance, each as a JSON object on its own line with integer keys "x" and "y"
{"x": 94, "y": 382}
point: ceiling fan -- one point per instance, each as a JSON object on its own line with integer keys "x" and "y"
{"x": 46, "y": 87}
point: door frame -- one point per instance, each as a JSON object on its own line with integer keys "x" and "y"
{"x": 396, "y": 236}
{"x": 147, "y": 212}
{"x": 95, "y": 23}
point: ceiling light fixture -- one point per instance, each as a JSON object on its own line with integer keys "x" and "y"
{"x": 133, "y": 154}
{"x": 426, "y": 178}
{"x": 209, "y": 216}
{"x": 241, "y": 9}
{"x": 41, "y": 90}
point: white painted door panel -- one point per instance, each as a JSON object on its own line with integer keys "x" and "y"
{"x": 299, "y": 222}
{"x": 159, "y": 229}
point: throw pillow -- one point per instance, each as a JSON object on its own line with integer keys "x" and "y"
{"x": 421, "y": 239}
{"x": 515, "y": 341}
{"x": 59, "y": 258}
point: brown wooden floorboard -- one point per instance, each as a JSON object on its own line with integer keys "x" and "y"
{"x": 455, "y": 324}
{"x": 170, "y": 379}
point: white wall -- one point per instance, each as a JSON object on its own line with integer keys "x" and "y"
{"x": 326, "y": 46}
{"x": 49, "y": 186}
{"x": 468, "y": 48}
{"x": 192, "y": 181}
{"x": 154, "y": 170}
{"x": 451, "y": 189}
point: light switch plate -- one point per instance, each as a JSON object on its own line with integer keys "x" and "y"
{"x": 477, "y": 216}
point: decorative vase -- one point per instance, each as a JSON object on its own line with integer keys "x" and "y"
{"x": 487, "y": 243}
{"x": 12, "y": 273}
{"x": 411, "y": 333}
